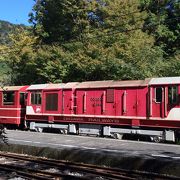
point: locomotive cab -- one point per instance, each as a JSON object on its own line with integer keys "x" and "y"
{"x": 164, "y": 98}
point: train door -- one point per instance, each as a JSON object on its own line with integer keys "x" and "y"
{"x": 22, "y": 103}
{"x": 158, "y": 101}
{"x": 129, "y": 102}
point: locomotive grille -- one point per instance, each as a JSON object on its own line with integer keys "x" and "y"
{"x": 110, "y": 96}
{"x": 51, "y": 102}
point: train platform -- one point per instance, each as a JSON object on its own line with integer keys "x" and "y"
{"x": 136, "y": 155}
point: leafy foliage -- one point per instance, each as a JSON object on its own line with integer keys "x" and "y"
{"x": 77, "y": 40}
{"x": 5, "y": 29}
{"x": 164, "y": 23}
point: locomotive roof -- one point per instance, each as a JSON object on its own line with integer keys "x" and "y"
{"x": 165, "y": 80}
{"x": 62, "y": 85}
{"x": 111, "y": 83}
{"x": 103, "y": 84}
{"x": 70, "y": 85}
{"x": 11, "y": 88}
{"x": 37, "y": 86}
{"x": 54, "y": 86}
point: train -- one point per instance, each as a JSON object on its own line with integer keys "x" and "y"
{"x": 149, "y": 107}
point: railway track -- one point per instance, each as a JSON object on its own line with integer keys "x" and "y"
{"x": 30, "y": 167}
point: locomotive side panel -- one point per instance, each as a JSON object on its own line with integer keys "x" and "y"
{"x": 94, "y": 102}
{"x": 68, "y": 102}
{"x": 129, "y": 102}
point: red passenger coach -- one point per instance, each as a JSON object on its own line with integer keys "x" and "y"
{"x": 12, "y": 106}
{"x": 148, "y": 107}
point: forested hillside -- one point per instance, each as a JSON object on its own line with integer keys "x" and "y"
{"x": 5, "y": 29}
{"x": 76, "y": 40}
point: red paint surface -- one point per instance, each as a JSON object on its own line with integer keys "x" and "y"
{"x": 15, "y": 113}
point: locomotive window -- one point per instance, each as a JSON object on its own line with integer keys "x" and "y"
{"x": 8, "y": 98}
{"x": 172, "y": 94}
{"x": 36, "y": 98}
{"x": 110, "y": 96}
{"x": 51, "y": 102}
{"x": 158, "y": 94}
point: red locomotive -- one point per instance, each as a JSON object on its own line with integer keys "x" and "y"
{"x": 148, "y": 107}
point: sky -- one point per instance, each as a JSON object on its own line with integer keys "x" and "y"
{"x": 16, "y": 11}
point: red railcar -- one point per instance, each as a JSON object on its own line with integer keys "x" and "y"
{"x": 12, "y": 106}
{"x": 109, "y": 108}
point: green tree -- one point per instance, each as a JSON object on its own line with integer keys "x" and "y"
{"x": 19, "y": 57}
{"x": 99, "y": 39}
{"x": 86, "y": 40}
{"x": 163, "y": 22}
{"x": 60, "y": 21}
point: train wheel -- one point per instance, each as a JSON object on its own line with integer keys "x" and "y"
{"x": 64, "y": 131}
{"x": 38, "y": 129}
{"x": 117, "y": 136}
{"x": 156, "y": 139}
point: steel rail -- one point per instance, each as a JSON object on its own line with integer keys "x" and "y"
{"x": 113, "y": 173}
{"x": 38, "y": 174}
{"x": 105, "y": 172}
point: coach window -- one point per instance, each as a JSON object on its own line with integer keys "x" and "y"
{"x": 8, "y": 98}
{"x": 36, "y": 98}
{"x": 158, "y": 94}
{"x": 172, "y": 94}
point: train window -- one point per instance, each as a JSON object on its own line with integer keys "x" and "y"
{"x": 36, "y": 98}
{"x": 8, "y": 97}
{"x": 110, "y": 96}
{"x": 158, "y": 94}
{"x": 51, "y": 101}
{"x": 172, "y": 94}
